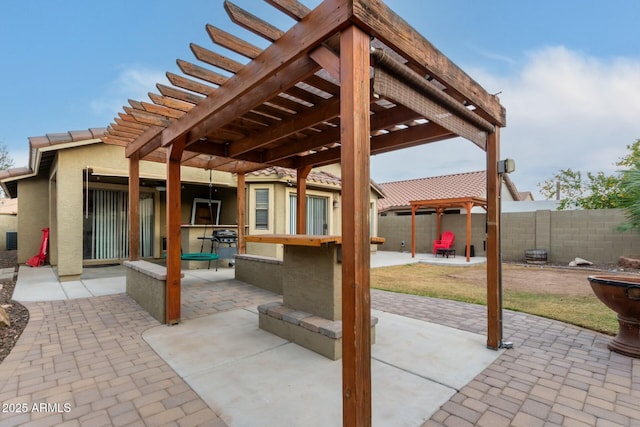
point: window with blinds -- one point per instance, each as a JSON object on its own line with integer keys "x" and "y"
{"x": 262, "y": 209}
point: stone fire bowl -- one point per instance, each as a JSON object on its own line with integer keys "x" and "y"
{"x": 622, "y": 295}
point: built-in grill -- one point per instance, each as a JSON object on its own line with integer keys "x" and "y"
{"x": 226, "y": 244}
{"x": 226, "y": 236}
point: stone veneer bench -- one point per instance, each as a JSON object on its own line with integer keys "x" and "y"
{"x": 313, "y": 332}
{"x": 146, "y": 284}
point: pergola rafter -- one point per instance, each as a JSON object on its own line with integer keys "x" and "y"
{"x": 309, "y": 99}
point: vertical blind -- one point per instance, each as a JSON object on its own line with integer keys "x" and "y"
{"x": 110, "y": 224}
{"x": 316, "y": 215}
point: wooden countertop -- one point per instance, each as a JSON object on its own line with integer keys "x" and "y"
{"x": 301, "y": 239}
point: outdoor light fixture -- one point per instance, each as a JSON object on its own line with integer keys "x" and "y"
{"x": 506, "y": 166}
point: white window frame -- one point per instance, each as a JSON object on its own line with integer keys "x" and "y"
{"x": 253, "y": 207}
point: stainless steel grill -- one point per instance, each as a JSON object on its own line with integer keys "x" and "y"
{"x": 226, "y": 236}
{"x": 226, "y": 244}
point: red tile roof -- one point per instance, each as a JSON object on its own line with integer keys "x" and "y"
{"x": 65, "y": 137}
{"x": 319, "y": 176}
{"x": 400, "y": 193}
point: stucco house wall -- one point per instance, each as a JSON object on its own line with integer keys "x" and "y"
{"x": 58, "y": 202}
{"x": 8, "y": 223}
{"x": 280, "y": 192}
{"x": 34, "y": 205}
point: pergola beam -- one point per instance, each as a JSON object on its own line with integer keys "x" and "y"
{"x": 283, "y": 61}
{"x": 385, "y": 24}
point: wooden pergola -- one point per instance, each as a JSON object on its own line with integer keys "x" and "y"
{"x": 440, "y": 205}
{"x": 349, "y": 79}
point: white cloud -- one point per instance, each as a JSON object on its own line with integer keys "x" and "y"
{"x": 133, "y": 82}
{"x": 564, "y": 109}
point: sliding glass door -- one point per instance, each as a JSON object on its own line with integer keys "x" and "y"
{"x": 317, "y": 213}
{"x": 106, "y": 225}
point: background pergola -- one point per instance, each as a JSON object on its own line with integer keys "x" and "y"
{"x": 347, "y": 80}
{"x": 440, "y": 205}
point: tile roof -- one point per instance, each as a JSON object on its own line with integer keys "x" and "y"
{"x": 400, "y": 193}
{"x": 46, "y": 145}
{"x": 319, "y": 176}
{"x": 65, "y": 137}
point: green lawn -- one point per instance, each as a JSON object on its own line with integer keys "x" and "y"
{"x": 437, "y": 282}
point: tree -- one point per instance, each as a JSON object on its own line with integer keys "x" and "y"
{"x": 5, "y": 162}
{"x": 596, "y": 191}
{"x": 630, "y": 197}
{"x": 5, "y": 159}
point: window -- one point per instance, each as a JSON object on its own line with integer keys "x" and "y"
{"x": 262, "y": 209}
{"x": 316, "y": 215}
{"x": 205, "y": 212}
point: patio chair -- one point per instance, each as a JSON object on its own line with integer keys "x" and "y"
{"x": 445, "y": 241}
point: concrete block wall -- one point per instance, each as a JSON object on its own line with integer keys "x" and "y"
{"x": 518, "y": 234}
{"x": 565, "y": 235}
{"x": 591, "y": 235}
{"x": 396, "y": 229}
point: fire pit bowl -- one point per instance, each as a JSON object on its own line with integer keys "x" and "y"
{"x": 622, "y": 295}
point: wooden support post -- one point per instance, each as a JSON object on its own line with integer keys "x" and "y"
{"x": 301, "y": 199}
{"x": 439, "y": 212}
{"x": 355, "y": 152}
{"x": 134, "y": 208}
{"x": 174, "y": 188}
{"x": 414, "y": 208}
{"x": 494, "y": 331}
{"x": 242, "y": 210}
{"x": 468, "y": 207}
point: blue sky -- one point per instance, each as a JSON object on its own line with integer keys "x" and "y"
{"x": 568, "y": 72}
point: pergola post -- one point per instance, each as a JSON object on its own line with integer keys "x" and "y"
{"x": 172, "y": 292}
{"x": 301, "y": 199}
{"x": 241, "y": 197}
{"x": 355, "y": 153}
{"x": 134, "y": 208}
{"x": 414, "y": 208}
{"x": 439, "y": 212}
{"x": 468, "y": 207}
{"x": 494, "y": 332}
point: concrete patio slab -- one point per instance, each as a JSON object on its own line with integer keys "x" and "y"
{"x": 251, "y": 377}
{"x": 106, "y": 286}
{"x": 74, "y": 289}
{"x": 37, "y": 284}
{"x": 431, "y": 351}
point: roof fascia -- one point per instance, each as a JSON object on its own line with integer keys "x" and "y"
{"x": 35, "y": 157}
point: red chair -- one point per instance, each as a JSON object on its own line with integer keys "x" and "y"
{"x": 445, "y": 242}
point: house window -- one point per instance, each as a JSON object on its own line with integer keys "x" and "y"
{"x": 205, "y": 212}
{"x": 316, "y": 215}
{"x": 262, "y": 209}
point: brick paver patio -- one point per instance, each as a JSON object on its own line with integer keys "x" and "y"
{"x": 89, "y": 354}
